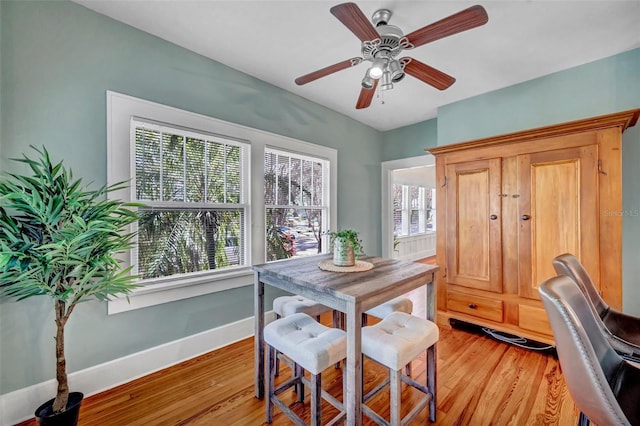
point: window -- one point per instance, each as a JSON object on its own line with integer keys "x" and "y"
{"x": 413, "y": 210}
{"x": 193, "y": 186}
{"x": 202, "y": 181}
{"x": 295, "y": 212}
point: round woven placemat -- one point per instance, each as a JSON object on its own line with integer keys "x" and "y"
{"x": 360, "y": 266}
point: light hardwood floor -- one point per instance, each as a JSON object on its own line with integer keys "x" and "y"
{"x": 480, "y": 382}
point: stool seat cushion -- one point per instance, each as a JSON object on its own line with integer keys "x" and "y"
{"x": 289, "y": 305}
{"x": 398, "y": 339}
{"x": 399, "y": 304}
{"x": 308, "y": 343}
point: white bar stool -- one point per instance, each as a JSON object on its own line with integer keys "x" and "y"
{"x": 311, "y": 346}
{"x": 394, "y": 342}
{"x": 284, "y": 306}
{"x": 399, "y": 304}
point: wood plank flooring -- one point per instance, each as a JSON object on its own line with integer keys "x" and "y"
{"x": 480, "y": 382}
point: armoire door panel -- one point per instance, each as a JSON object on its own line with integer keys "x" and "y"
{"x": 473, "y": 229}
{"x": 557, "y": 212}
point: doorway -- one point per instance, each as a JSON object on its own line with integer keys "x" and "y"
{"x": 408, "y": 208}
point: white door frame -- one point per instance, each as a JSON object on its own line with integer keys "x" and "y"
{"x": 387, "y": 201}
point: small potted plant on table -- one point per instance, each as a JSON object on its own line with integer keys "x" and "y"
{"x": 60, "y": 240}
{"x": 346, "y": 247}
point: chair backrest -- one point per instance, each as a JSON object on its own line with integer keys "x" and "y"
{"x": 569, "y": 265}
{"x": 587, "y": 359}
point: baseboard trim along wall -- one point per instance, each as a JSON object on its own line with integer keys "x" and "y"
{"x": 20, "y": 405}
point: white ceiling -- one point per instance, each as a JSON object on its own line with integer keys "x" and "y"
{"x": 277, "y": 41}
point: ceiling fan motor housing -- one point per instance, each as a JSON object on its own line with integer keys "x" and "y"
{"x": 387, "y": 47}
{"x": 391, "y": 41}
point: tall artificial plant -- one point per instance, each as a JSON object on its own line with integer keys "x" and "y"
{"x": 60, "y": 240}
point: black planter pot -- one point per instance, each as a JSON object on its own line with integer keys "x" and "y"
{"x": 45, "y": 416}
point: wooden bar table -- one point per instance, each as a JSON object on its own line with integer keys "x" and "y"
{"x": 349, "y": 292}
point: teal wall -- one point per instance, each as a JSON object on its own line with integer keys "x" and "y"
{"x": 409, "y": 141}
{"x": 58, "y": 60}
{"x": 608, "y": 85}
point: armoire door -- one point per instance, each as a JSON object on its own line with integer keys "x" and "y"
{"x": 558, "y": 212}
{"x": 474, "y": 254}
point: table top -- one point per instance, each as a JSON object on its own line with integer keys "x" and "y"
{"x": 303, "y": 273}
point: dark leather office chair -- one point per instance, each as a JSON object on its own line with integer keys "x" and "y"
{"x": 622, "y": 330}
{"x": 604, "y": 386}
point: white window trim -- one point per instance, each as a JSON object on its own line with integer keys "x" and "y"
{"x": 120, "y": 109}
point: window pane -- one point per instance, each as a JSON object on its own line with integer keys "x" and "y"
{"x": 195, "y": 170}
{"x": 283, "y": 180}
{"x": 270, "y": 178}
{"x": 215, "y": 165}
{"x": 172, "y": 167}
{"x": 147, "y": 164}
{"x": 414, "y": 222}
{"x": 176, "y": 242}
{"x": 397, "y": 209}
{"x": 296, "y": 181}
{"x": 233, "y": 174}
{"x": 414, "y": 195}
{"x": 293, "y": 232}
{"x": 317, "y": 184}
{"x": 307, "y": 183}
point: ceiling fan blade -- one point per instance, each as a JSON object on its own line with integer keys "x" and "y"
{"x": 327, "y": 70}
{"x": 429, "y": 75}
{"x": 366, "y": 96}
{"x": 353, "y": 18}
{"x": 467, "y": 19}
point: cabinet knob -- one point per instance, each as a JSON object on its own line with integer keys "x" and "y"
{"x": 493, "y": 217}
{"x": 472, "y": 306}
{"x": 525, "y": 217}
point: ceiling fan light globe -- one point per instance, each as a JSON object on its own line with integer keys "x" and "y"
{"x": 396, "y": 71}
{"x": 367, "y": 82}
{"x": 377, "y": 69}
{"x": 375, "y": 73}
{"x": 398, "y": 77}
{"x": 387, "y": 84}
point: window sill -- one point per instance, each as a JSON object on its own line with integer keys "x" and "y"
{"x": 171, "y": 289}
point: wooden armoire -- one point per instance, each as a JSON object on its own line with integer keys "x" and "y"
{"x": 507, "y": 205}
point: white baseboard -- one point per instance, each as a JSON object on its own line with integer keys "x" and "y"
{"x": 20, "y": 405}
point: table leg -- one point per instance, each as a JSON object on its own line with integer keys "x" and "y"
{"x": 258, "y": 337}
{"x": 353, "y": 397}
{"x": 431, "y": 299}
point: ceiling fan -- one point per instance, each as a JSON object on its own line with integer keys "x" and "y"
{"x": 382, "y": 43}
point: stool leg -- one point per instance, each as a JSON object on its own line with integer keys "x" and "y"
{"x": 277, "y": 359}
{"x": 271, "y": 354}
{"x": 395, "y": 388}
{"x": 407, "y": 369}
{"x": 364, "y": 319}
{"x": 337, "y": 323}
{"x": 316, "y": 400}
{"x": 431, "y": 381}
{"x": 298, "y": 372}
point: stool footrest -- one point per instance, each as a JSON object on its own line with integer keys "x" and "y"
{"x": 373, "y": 392}
{"x": 406, "y": 420}
{"x": 413, "y": 383}
{"x": 283, "y": 407}
{"x": 326, "y": 396}
{"x": 286, "y": 385}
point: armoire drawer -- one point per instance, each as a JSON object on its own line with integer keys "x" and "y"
{"x": 478, "y": 306}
